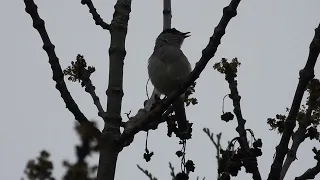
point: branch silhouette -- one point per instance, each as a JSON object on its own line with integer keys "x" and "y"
{"x": 300, "y": 135}
{"x": 38, "y": 24}
{"x": 305, "y": 75}
{"x": 95, "y": 15}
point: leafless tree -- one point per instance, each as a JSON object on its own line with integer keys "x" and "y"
{"x": 111, "y": 141}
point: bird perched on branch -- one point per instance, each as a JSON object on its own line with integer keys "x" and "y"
{"x": 168, "y": 67}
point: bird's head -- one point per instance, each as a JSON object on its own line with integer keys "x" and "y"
{"x": 171, "y": 37}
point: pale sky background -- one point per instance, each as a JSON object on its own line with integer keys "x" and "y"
{"x": 270, "y": 38}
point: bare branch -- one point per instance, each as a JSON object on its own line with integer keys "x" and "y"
{"x": 298, "y": 137}
{"x": 38, "y": 24}
{"x": 96, "y": 17}
{"x": 109, "y": 148}
{"x": 310, "y": 173}
{"x": 167, "y": 14}
{"x": 228, "y": 13}
{"x": 91, "y": 90}
{"x": 306, "y": 74}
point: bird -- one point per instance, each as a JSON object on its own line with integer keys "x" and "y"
{"x": 168, "y": 68}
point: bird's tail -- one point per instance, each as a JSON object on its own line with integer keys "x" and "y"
{"x": 180, "y": 112}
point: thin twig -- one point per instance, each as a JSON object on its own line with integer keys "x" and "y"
{"x": 217, "y": 145}
{"x": 306, "y": 74}
{"x": 96, "y": 17}
{"x": 172, "y": 173}
{"x": 147, "y": 173}
{"x": 228, "y": 12}
{"x": 38, "y": 24}
{"x": 91, "y": 90}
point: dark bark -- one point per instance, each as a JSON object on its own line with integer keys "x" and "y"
{"x": 167, "y": 14}
{"x": 306, "y": 74}
{"x": 109, "y": 149}
{"x": 39, "y": 25}
{"x": 297, "y": 138}
{"x": 251, "y": 165}
{"x": 95, "y": 15}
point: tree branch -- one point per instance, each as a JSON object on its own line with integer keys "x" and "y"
{"x": 38, "y": 24}
{"x": 297, "y": 138}
{"x": 109, "y": 148}
{"x": 172, "y": 173}
{"x": 91, "y": 90}
{"x": 310, "y": 173}
{"x": 306, "y": 74}
{"x": 96, "y": 17}
{"x": 147, "y": 173}
{"x": 228, "y": 12}
{"x": 251, "y": 165}
{"x": 167, "y": 14}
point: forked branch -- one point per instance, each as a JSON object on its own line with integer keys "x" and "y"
{"x": 306, "y": 74}
{"x": 299, "y": 136}
{"x": 38, "y": 24}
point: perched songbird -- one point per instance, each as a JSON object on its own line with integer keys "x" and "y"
{"x": 168, "y": 67}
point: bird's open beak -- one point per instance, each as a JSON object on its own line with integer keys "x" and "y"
{"x": 186, "y": 34}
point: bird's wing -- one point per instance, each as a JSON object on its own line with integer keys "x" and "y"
{"x": 178, "y": 66}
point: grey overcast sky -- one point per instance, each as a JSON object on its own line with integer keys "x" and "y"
{"x": 270, "y": 38}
